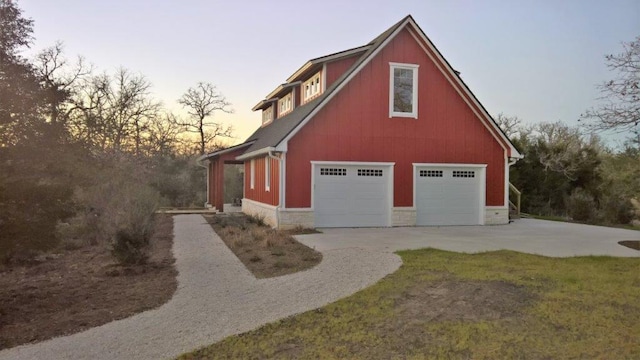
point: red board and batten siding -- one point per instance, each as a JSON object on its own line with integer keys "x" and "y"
{"x": 259, "y": 193}
{"x": 355, "y": 126}
{"x": 336, "y": 68}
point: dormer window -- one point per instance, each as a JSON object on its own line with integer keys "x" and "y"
{"x": 285, "y": 105}
{"x": 311, "y": 88}
{"x": 267, "y": 115}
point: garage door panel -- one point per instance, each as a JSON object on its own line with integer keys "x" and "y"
{"x": 448, "y": 195}
{"x": 357, "y": 197}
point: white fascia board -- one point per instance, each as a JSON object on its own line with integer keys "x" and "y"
{"x": 256, "y": 153}
{"x": 302, "y": 69}
{"x": 263, "y": 103}
{"x": 343, "y": 83}
{"x": 514, "y": 151}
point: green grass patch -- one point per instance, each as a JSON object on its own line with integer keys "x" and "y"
{"x": 448, "y": 305}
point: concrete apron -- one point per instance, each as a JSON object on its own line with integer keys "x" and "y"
{"x": 548, "y": 238}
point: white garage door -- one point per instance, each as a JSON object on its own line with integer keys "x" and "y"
{"x": 352, "y": 195}
{"x": 449, "y": 195}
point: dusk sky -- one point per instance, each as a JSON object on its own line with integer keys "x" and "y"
{"x": 538, "y": 60}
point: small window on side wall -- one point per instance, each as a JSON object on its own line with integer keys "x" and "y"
{"x": 285, "y": 105}
{"x": 267, "y": 115}
{"x": 311, "y": 88}
{"x": 403, "y": 90}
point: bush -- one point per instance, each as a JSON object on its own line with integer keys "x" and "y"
{"x": 615, "y": 209}
{"x": 29, "y": 213}
{"x": 117, "y": 212}
{"x": 581, "y": 206}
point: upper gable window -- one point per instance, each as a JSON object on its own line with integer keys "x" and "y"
{"x": 403, "y": 90}
{"x": 267, "y": 115}
{"x": 285, "y": 104}
{"x": 311, "y": 87}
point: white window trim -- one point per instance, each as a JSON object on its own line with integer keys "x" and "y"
{"x": 253, "y": 173}
{"x": 269, "y": 113}
{"x": 267, "y": 173}
{"x": 414, "y": 67}
{"x": 281, "y": 109}
{"x": 312, "y": 94}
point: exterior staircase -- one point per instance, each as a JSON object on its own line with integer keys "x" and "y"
{"x": 515, "y": 197}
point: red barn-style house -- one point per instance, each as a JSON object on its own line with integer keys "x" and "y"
{"x": 385, "y": 134}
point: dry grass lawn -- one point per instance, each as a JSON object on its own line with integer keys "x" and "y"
{"x": 445, "y": 305}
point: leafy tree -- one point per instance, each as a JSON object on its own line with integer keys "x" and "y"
{"x": 201, "y": 102}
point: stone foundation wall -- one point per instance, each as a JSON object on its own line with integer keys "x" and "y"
{"x": 403, "y": 216}
{"x": 254, "y": 208}
{"x": 290, "y": 218}
{"x": 496, "y": 215}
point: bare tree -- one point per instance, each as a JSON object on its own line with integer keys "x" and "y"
{"x": 116, "y": 111}
{"x": 202, "y": 102}
{"x": 620, "y": 108}
{"x": 511, "y": 125}
{"x": 60, "y": 81}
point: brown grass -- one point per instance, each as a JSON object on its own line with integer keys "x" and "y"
{"x": 264, "y": 251}
{"x": 81, "y": 287}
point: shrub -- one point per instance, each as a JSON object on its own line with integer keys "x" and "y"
{"x": 615, "y": 209}
{"x": 256, "y": 219}
{"x": 118, "y": 212}
{"x": 581, "y": 206}
{"x": 129, "y": 248}
{"x": 29, "y": 213}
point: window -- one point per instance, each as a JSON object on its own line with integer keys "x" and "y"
{"x": 253, "y": 173}
{"x": 267, "y": 173}
{"x": 464, "y": 173}
{"x": 369, "y": 172}
{"x": 333, "y": 172}
{"x": 430, "y": 173}
{"x": 403, "y": 90}
{"x": 285, "y": 104}
{"x": 311, "y": 87}
{"x": 267, "y": 115}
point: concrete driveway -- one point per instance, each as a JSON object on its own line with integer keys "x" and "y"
{"x": 548, "y": 238}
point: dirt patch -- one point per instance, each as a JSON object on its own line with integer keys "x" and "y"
{"x": 632, "y": 244}
{"x": 264, "y": 251}
{"x": 462, "y": 301}
{"x": 78, "y": 289}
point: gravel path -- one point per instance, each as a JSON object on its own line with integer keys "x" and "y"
{"x": 216, "y": 297}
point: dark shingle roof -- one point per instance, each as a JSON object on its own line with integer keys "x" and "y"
{"x": 272, "y": 134}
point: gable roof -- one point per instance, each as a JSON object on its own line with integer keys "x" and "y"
{"x": 275, "y": 135}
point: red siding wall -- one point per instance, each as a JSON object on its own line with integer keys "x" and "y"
{"x": 355, "y": 126}
{"x": 258, "y": 193}
{"x": 337, "y": 68}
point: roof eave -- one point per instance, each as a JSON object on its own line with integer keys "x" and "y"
{"x": 263, "y": 104}
{"x": 256, "y": 153}
{"x": 223, "y": 151}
